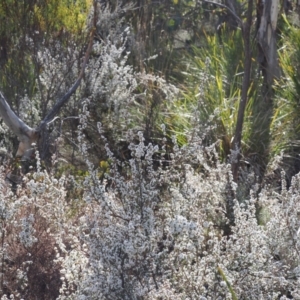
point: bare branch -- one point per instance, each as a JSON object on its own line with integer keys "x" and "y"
{"x": 237, "y": 140}
{"x": 25, "y": 134}
{"x": 15, "y": 124}
{"x": 227, "y": 8}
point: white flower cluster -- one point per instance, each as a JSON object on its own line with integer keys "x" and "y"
{"x": 159, "y": 233}
{"x": 27, "y": 234}
{"x": 32, "y": 222}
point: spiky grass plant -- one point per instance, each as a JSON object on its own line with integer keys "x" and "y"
{"x": 285, "y": 129}
{"x": 213, "y": 88}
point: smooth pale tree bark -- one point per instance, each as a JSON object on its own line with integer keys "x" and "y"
{"x": 267, "y": 16}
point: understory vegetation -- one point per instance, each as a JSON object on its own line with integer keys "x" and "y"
{"x": 132, "y": 192}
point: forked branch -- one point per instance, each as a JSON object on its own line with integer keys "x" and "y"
{"x": 27, "y": 135}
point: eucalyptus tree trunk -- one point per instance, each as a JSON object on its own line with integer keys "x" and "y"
{"x": 267, "y": 15}
{"x": 267, "y": 58}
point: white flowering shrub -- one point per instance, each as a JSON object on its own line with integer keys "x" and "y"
{"x": 32, "y": 222}
{"x": 149, "y": 231}
{"x": 158, "y": 229}
{"x": 164, "y": 222}
{"x": 118, "y": 95}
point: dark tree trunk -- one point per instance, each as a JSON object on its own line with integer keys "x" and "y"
{"x": 237, "y": 140}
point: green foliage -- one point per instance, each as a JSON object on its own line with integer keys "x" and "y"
{"x": 285, "y": 128}
{"x": 213, "y": 84}
{"x": 150, "y": 223}
{"x": 44, "y": 15}
{"x": 26, "y": 26}
{"x": 68, "y": 15}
